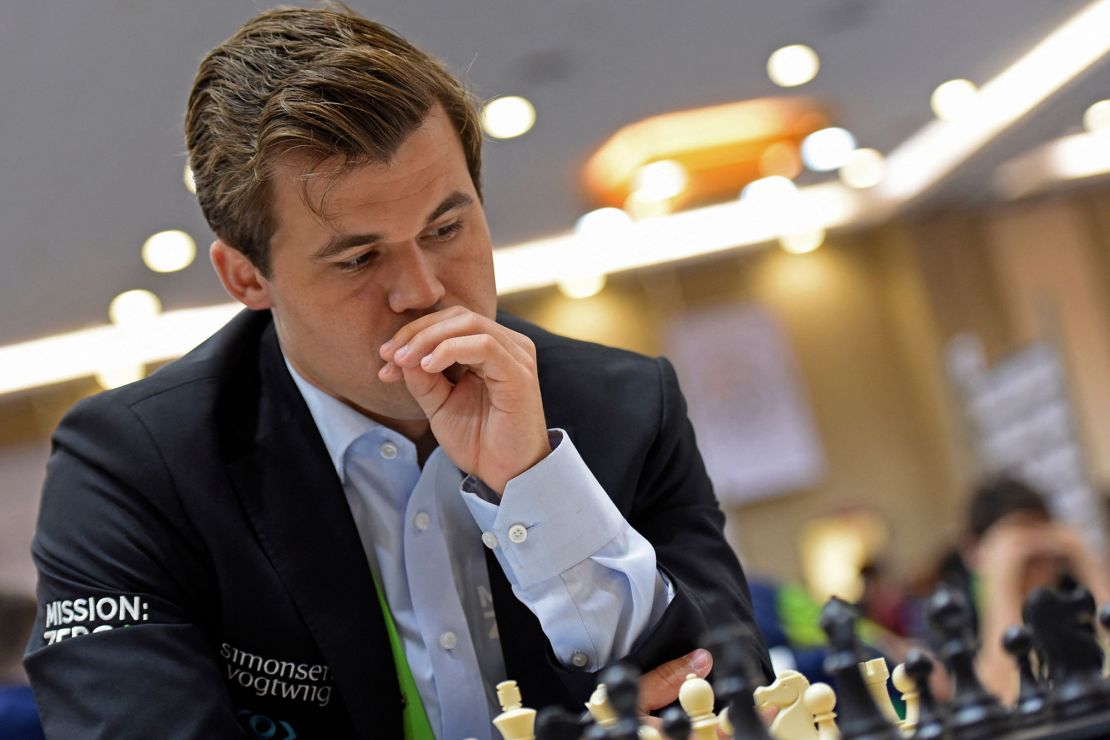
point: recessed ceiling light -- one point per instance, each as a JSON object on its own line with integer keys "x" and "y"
{"x": 802, "y": 242}
{"x": 1097, "y": 117}
{"x": 169, "y": 251}
{"x": 190, "y": 183}
{"x": 953, "y": 99}
{"x": 508, "y": 117}
{"x": 660, "y": 180}
{"x": 114, "y": 377}
{"x": 603, "y": 221}
{"x": 134, "y": 307}
{"x": 773, "y": 188}
{"x": 793, "y": 65}
{"x": 827, "y": 149}
{"x": 864, "y": 169}
{"x": 582, "y": 287}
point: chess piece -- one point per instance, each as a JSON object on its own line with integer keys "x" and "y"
{"x": 974, "y": 713}
{"x": 696, "y": 697}
{"x": 600, "y": 709}
{"x": 676, "y": 724}
{"x": 793, "y": 721}
{"x": 734, "y": 684}
{"x": 1062, "y": 620}
{"x": 1104, "y": 620}
{"x": 875, "y": 675}
{"x": 556, "y": 723}
{"x": 908, "y": 689}
{"x": 820, "y": 700}
{"x": 516, "y": 722}
{"x": 622, "y": 688}
{"x": 1032, "y": 701}
{"x": 860, "y": 718}
{"x": 931, "y": 722}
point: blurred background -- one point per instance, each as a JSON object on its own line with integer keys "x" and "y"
{"x": 872, "y": 235}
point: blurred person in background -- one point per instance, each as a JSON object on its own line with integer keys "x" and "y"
{"x": 1013, "y": 546}
{"x": 19, "y": 719}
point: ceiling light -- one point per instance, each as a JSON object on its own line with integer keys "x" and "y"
{"x": 772, "y": 188}
{"x": 582, "y": 287}
{"x": 802, "y": 242}
{"x": 780, "y": 158}
{"x": 603, "y": 221}
{"x": 1097, "y": 117}
{"x": 827, "y": 149}
{"x": 169, "y": 251}
{"x": 954, "y": 99}
{"x": 930, "y": 154}
{"x": 864, "y": 169}
{"x": 660, "y": 180}
{"x": 508, "y": 117}
{"x": 793, "y": 65}
{"x": 190, "y": 183}
{"x": 134, "y": 307}
{"x": 1068, "y": 158}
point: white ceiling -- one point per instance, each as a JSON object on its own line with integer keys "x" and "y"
{"x": 92, "y": 93}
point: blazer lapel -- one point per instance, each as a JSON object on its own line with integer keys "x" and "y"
{"x": 296, "y": 504}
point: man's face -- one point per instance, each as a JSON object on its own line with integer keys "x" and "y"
{"x": 396, "y": 241}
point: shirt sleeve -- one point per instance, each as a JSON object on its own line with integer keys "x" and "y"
{"x": 571, "y": 557}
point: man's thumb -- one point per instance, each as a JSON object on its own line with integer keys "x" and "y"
{"x": 659, "y": 687}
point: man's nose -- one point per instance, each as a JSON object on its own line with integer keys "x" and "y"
{"x": 414, "y": 284}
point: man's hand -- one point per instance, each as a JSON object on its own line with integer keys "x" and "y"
{"x": 659, "y": 687}
{"x": 486, "y": 411}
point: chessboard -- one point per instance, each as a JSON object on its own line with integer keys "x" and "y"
{"x": 1064, "y": 694}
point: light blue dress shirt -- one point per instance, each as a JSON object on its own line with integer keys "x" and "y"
{"x": 570, "y": 556}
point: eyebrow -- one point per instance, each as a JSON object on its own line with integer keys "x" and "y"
{"x": 342, "y": 242}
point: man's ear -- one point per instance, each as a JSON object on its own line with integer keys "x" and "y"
{"x": 241, "y": 279}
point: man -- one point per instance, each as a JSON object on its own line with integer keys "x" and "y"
{"x": 370, "y": 498}
{"x": 1013, "y": 546}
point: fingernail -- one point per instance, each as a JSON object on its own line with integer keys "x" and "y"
{"x": 387, "y": 346}
{"x": 426, "y": 361}
{"x": 700, "y": 660}
{"x": 401, "y": 352}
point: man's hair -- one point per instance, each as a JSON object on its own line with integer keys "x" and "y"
{"x": 998, "y": 497}
{"x": 314, "y": 83}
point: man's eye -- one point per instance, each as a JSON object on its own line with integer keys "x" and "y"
{"x": 357, "y": 263}
{"x": 444, "y": 233}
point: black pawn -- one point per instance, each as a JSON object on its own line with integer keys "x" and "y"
{"x": 930, "y": 718}
{"x": 1032, "y": 701}
{"x": 858, "y": 716}
{"x": 735, "y": 682}
{"x": 1062, "y": 621}
{"x": 556, "y": 723}
{"x": 676, "y": 724}
{"x": 974, "y": 713}
{"x": 622, "y": 686}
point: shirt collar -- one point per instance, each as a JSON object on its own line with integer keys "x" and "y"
{"x": 339, "y": 424}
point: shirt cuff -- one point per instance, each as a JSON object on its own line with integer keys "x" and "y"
{"x": 551, "y": 516}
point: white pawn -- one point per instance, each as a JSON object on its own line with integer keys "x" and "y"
{"x": 875, "y": 674}
{"x": 696, "y": 697}
{"x": 908, "y": 687}
{"x": 516, "y": 722}
{"x": 820, "y": 700}
{"x": 605, "y": 716}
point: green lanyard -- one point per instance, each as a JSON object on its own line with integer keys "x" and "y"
{"x": 414, "y": 717}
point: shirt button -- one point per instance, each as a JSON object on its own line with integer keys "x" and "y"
{"x": 518, "y": 533}
{"x": 448, "y": 641}
{"x": 579, "y": 659}
{"x": 388, "y": 450}
{"x": 489, "y": 539}
{"x": 421, "y": 521}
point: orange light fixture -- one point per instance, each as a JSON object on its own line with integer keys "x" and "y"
{"x": 719, "y": 149}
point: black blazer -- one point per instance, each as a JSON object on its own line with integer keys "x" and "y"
{"x": 200, "y": 574}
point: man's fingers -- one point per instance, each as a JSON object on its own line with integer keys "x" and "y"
{"x": 659, "y": 687}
